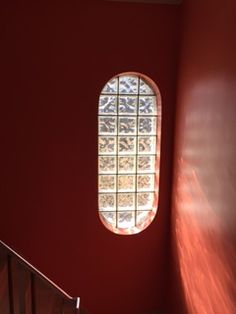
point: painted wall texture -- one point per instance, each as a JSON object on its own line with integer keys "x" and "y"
{"x": 55, "y": 58}
{"x": 204, "y": 190}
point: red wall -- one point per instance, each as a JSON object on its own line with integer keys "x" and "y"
{"x": 55, "y": 58}
{"x": 204, "y": 191}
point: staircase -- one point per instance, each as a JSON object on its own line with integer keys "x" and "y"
{"x": 24, "y": 290}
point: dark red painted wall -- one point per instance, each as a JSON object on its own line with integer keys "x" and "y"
{"x": 204, "y": 193}
{"x": 55, "y": 58}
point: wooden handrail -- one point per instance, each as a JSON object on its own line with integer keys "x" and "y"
{"x": 35, "y": 273}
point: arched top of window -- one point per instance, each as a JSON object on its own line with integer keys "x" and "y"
{"x": 129, "y": 128}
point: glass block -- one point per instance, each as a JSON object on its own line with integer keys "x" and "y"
{"x": 107, "y": 183}
{"x": 126, "y": 201}
{"x": 111, "y": 87}
{"x": 146, "y": 144}
{"x": 107, "y": 202}
{"x": 146, "y": 164}
{"x": 126, "y": 164}
{"x": 127, "y": 125}
{"x": 147, "y": 105}
{"x": 145, "y": 201}
{"x": 147, "y": 125}
{"x": 142, "y": 216}
{"x": 145, "y": 182}
{"x": 126, "y": 145}
{"x": 109, "y": 217}
{"x": 126, "y": 183}
{"x": 107, "y": 164}
{"x": 126, "y": 219}
{"x": 107, "y": 145}
{"x": 144, "y": 88}
{"x": 107, "y": 125}
{"x": 108, "y": 105}
{"x": 127, "y": 105}
{"x": 128, "y": 85}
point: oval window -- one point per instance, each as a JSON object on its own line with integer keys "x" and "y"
{"x": 129, "y": 126}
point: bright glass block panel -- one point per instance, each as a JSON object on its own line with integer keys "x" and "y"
{"x": 128, "y": 85}
{"x": 108, "y": 105}
{"x": 107, "y": 125}
{"x": 126, "y": 145}
{"x": 107, "y": 202}
{"x": 127, "y": 105}
{"x": 107, "y": 145}
{"x": 107, "y": 183}
{"x": 146, "y": 145}
{"x": 146, "y": 164}
{"x": 126, "y": 164}
{"x": 144, "y": 88}
{"x": 126, "y": 183}
{"x": 126, "y": 201}
{"x": 127, "y": 125}
{"x": 142, "y": 217}
{"x": 126, "y": 219}
{"x": 111, "y": 87}
{"x": 145, "y": 182}
{"x": 129, "y": 152}
{"x": 147, "y": 105}
{"x": 107, "y": 164}
{"x": 145, "y": 201}
{"x": 109, "y": 217}
{"x": 147, "y": 125}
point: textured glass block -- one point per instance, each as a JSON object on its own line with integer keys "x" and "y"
{"x": 127, "y": 125}
{"x": 145, "y": 182}
{"x": 107, "y": 202}
{"x": 107, "y": 164}
{"x": 142, "y": 217}
{"x": 128, "y": 85}
{"x": 126, "y": 164}
{"x": 146, "y": 164}
{"x": 147, "y": 125}
{"x": 107, "y": 105}
{"x": 126, "y": 219}
{"x": 127, "y": 105}
{"x": 147, "y": 105}
{"x": 109, "y": 217}
{"x": 107, "y": 125}
{"x": 146, "y": 144}
{"x": 111, "y": 87}
{"x": 107, "y": 183}
{"x": 107, "y": 145}
{"x": 145, "y": 201}
{"x": 126, "y": 201}
{"x": 144, "y": 88}
{"x": 126, "y": 145}
{"x": 126, "y": 183}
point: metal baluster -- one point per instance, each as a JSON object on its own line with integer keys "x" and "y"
{"x": 22, "y": 289}
{"x": 32, "y": 287}
{"x": 10, "y": 284}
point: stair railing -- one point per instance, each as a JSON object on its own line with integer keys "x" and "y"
{"x": 25, "y": 290}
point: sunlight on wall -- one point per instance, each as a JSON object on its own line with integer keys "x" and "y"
{"x": 203, "y": 253}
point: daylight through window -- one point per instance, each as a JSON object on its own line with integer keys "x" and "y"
{"x": 129, "y": 153}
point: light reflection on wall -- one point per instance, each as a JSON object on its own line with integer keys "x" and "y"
{"x": 207, "y": 260}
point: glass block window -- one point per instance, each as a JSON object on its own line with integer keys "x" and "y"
{"x": 129, "y": 127}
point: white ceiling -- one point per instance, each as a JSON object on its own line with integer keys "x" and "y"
{"x": 151, "y": 1}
